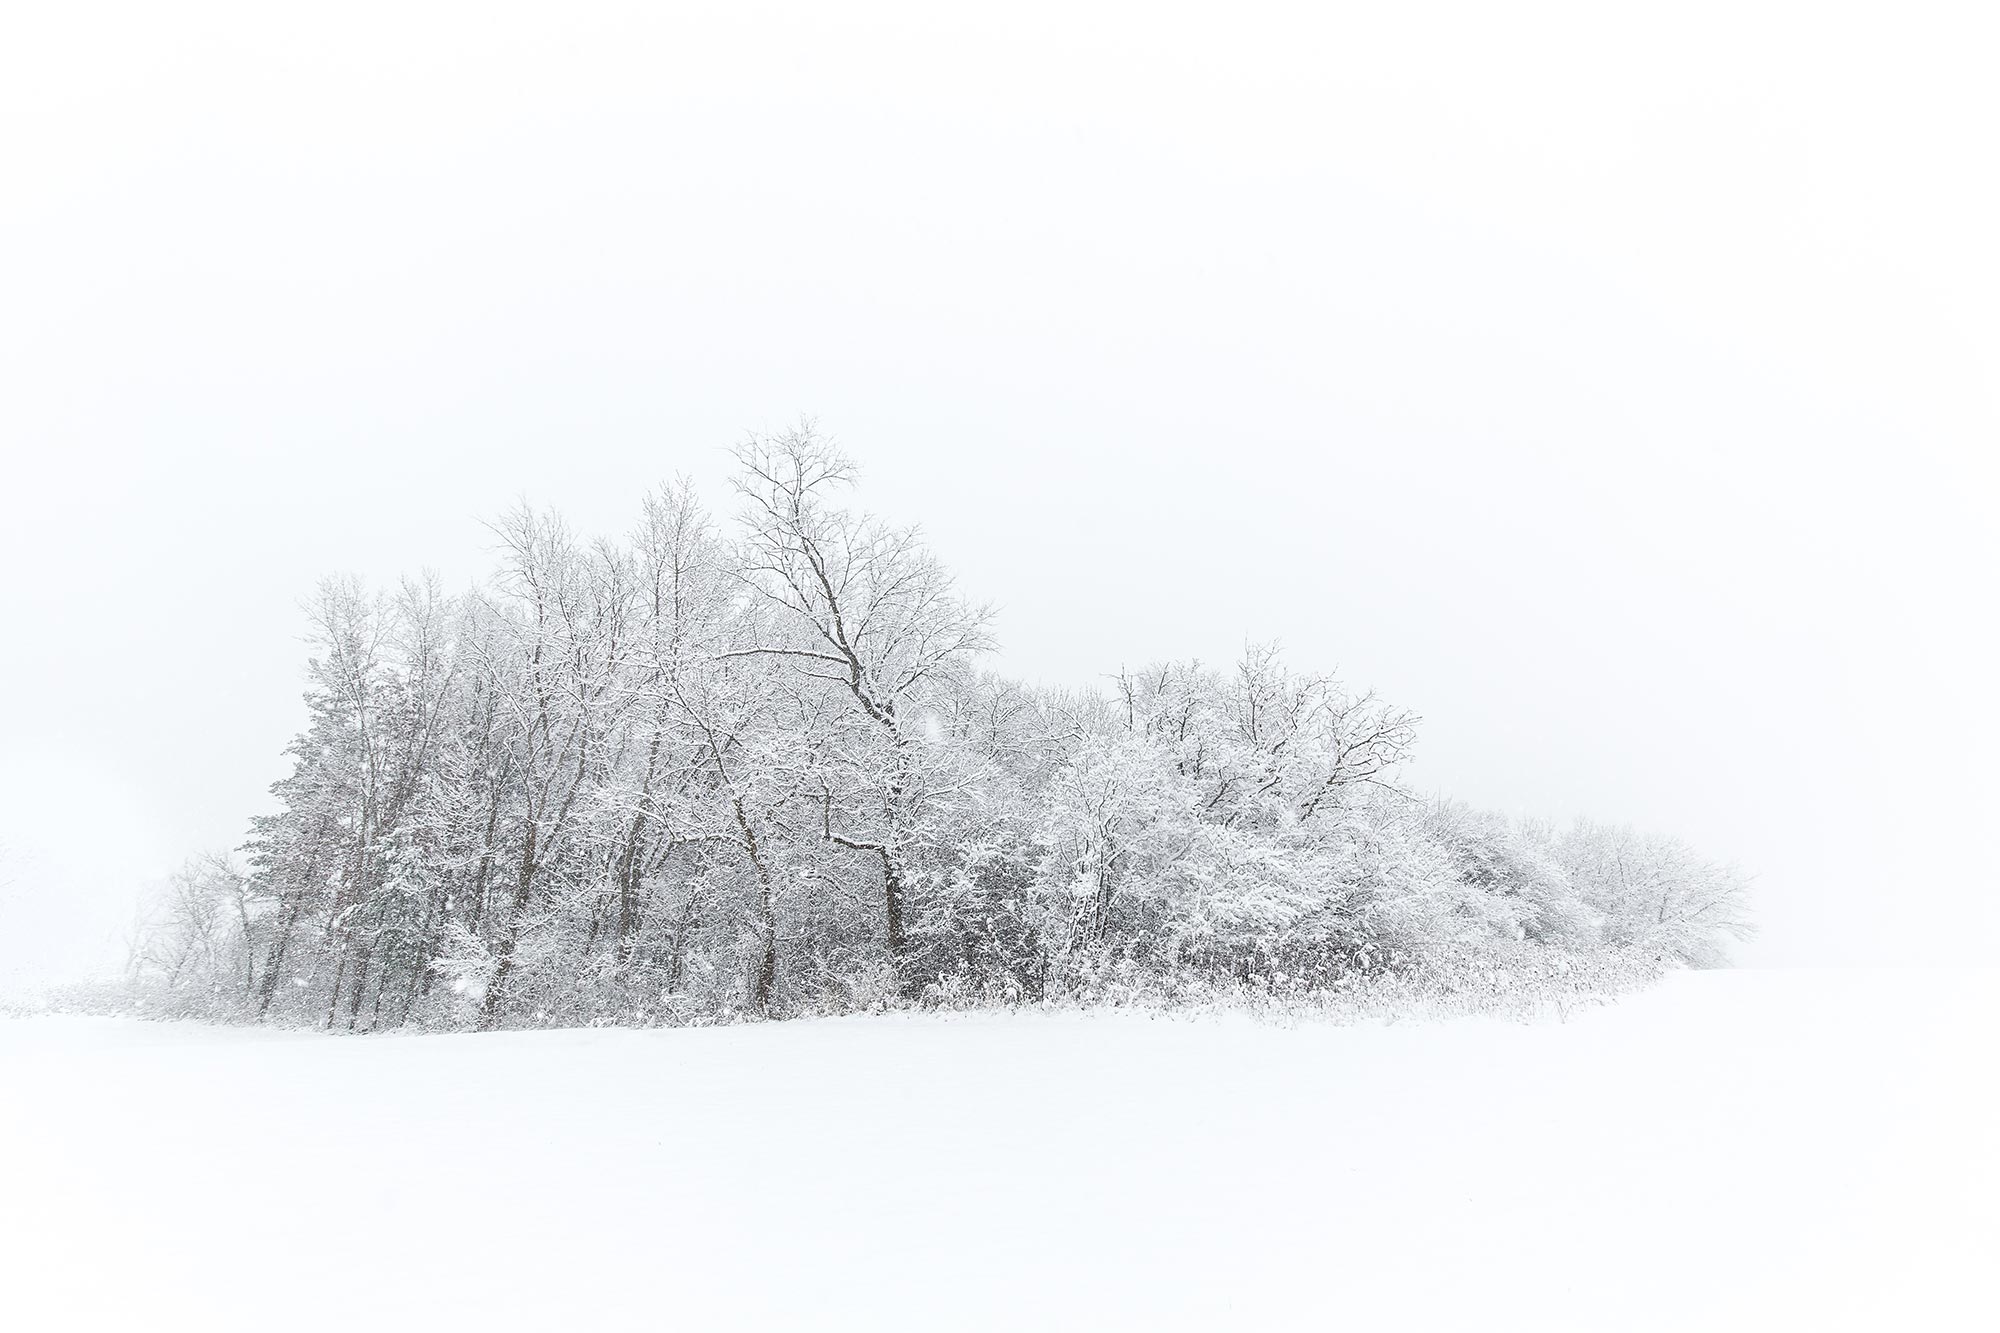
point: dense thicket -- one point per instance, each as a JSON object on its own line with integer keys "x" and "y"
{"x": 706, "y": 771}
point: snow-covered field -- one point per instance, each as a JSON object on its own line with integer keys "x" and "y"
{"x": 1783, "y": 1150}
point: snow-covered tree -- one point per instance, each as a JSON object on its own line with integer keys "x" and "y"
{"x": 706, "y": 770}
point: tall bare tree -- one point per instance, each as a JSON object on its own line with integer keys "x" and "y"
{"x": 867, "y": 609}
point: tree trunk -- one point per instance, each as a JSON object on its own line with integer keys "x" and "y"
{"x": 489, "y": 1009}
{"x": 333, "y": 1000}
{"x": 360, "y": 987}
{"x": 892, "y": 906}
{"x": 276, "y": 958}
{"x": 765, "y": 978}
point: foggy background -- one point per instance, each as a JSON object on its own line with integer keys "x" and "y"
{"x": 1621, "y": 394}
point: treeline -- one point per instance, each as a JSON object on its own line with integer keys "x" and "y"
{"x": 707, "y": 771}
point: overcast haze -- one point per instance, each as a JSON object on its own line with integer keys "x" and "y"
{"x": 1621, "y": 395}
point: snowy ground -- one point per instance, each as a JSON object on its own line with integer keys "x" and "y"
{"x": 1782, "y": 1150}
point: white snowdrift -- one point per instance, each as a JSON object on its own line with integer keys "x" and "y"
{"x": 1785, "y": 1150}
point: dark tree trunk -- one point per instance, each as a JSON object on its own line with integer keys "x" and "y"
{"x": 765, "y": 978}
{"x": 333, "y": 1000}
{"x": 489, "y": 1010}
{"x": 276, "y": 958}
{"x": 360, "y": 986}
{"x": 892, "y": 905}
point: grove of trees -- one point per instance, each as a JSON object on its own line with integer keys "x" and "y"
{"x": 755, "y": 768}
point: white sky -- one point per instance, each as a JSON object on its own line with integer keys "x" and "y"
{"x": 1622, "y": 394}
